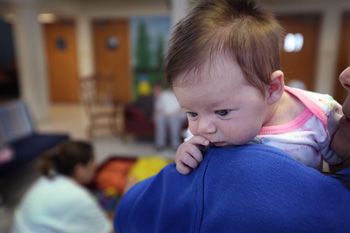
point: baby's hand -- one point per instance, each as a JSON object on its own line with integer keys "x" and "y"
{"x": 188, "y": 155}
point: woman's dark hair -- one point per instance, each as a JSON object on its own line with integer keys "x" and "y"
{"x": 64, "y": 158}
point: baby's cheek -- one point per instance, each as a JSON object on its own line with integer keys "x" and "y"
{"x": 191, "y": 131}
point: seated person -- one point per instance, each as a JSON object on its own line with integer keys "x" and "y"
{"x": 168, "y": 119}
{"x": 57, "y": 202}
{"x": 249, "y": 188}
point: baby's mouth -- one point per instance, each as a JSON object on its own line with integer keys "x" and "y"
{"x": 219, "y": 144}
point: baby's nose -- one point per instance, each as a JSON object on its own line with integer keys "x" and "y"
{"x": 206, "y": 126}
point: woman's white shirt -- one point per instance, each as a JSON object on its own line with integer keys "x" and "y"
{"x": 59, "y": 205}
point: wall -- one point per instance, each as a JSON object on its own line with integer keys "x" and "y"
{"x": 33, "y": 72}
{"x": 329, "y": 36}
{"x": 86, "y": 10}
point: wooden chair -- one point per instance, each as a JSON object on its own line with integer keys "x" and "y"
{"x": 96, "y": 93}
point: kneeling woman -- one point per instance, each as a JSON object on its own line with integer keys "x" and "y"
{"x": 58, "y": 202}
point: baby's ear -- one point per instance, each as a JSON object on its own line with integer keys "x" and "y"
{"x": 276, "y": 87}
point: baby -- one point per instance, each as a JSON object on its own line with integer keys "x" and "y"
{"x": 223, "y": 64}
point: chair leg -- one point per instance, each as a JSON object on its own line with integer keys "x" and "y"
{"x": 90, "y": 131}
{"x": 120, "y": 121}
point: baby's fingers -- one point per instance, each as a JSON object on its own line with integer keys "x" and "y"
{"x": 183, "y": 168}
{"x": 199, "y": 140}
{"x": 196, "y": 154}
{"x": 190, "y": 161}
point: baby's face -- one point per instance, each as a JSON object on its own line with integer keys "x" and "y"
{"x": 222, "y": 106}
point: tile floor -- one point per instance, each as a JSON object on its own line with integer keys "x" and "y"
{"x": 69, "y": 118}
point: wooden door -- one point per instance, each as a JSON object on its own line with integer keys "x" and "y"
{"x": 112, "y": 55}
{"x": 301, "y": 65}
{"x": 343, "y": 58}
{"x": 61, "y": 55}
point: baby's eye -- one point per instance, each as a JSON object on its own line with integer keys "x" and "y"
{"x": 192, "y": 114}
{"x": 222, "y": 112}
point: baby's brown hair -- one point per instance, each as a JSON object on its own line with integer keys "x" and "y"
{"x": 239, "y": 29}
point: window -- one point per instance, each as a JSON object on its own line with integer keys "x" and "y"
{"x": 293, "y": 42}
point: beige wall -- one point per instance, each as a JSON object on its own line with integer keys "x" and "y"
{"x": 331, "y": 11}
{"x": 84, "y": 11}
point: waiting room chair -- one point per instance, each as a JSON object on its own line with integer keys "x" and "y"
{"x": 96, "y": 93}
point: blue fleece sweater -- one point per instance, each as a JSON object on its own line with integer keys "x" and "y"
{"x": 251, "y": 188}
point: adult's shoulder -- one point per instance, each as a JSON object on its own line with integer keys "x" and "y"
{"x": 172, "y": 202}
{"x": 251, "y": 188}
{"x": 261, "y": 187}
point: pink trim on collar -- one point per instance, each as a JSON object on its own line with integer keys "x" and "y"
{"x": 288, "y": 127}
{"x": 311, "y": 105}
